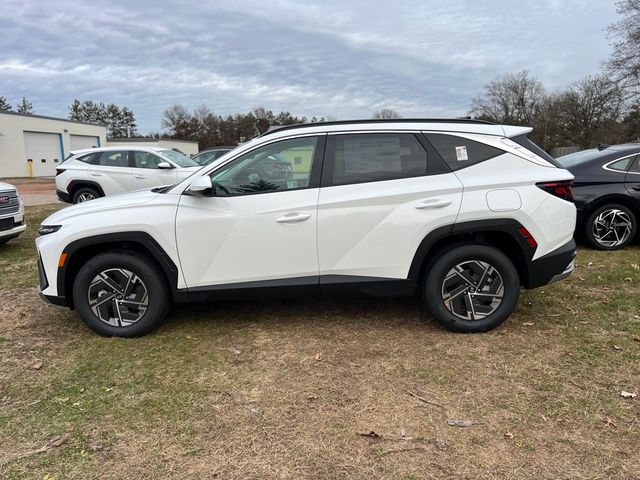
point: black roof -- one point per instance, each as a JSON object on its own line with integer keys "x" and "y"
{"x": 278, "y": 128}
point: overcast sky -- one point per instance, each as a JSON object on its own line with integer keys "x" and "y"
{"x": 339, "y": 58}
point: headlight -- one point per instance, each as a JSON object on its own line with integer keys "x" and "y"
{"x": 47, "y": 229}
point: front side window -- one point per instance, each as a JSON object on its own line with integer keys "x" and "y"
{"x": 146, "y": 160}
{"x": 460, "y": 152}
{"x": 268, "y": 169}
{"x": 114, "y": 159}
{"x": 374, "y": 157}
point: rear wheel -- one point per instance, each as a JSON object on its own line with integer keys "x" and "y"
{"x": 471, "y": 288}
{"x": 84, "y": 194}
{"x": 117, "y": 294}
{"x": 610, "y": 227}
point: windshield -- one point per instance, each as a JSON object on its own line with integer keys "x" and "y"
{"x": 574, "y": 159}
{"x": 205, "y": 158}
{"x": 178, "y": 158}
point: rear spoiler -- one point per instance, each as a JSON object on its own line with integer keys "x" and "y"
{"x": 511, "y": 131}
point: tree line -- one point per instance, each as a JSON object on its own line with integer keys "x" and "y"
{"x": 24, "y": 106}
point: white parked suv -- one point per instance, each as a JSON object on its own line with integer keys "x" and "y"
{"x": 463, "y": 212}
{"x": 96, "y": 172}
{"x": 12, "y": 222}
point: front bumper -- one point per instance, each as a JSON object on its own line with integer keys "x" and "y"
{"x": 17, "y": 229}
{"x": 552, "y": 267}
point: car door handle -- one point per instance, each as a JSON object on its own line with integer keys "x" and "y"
{"x": 293, "y": 218}
{"x": 636, "y": 188}
{"x": 95, "y": 174}
{"x": 140, "y": 176}
{"x": 433, "y": 203}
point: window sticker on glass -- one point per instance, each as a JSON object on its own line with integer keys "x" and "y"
{"x": 461, "y": 154}
{"x": 361, "y": 153}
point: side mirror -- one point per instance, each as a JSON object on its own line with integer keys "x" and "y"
{"x": 165, "y": 165}
{"x": 200, "y": 185}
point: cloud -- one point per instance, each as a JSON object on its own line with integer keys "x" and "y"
{"x": 329, "y": 58}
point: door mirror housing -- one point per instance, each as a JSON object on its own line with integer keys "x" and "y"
{"x": 201, "y": 186}
{"x": 165, "y": 165}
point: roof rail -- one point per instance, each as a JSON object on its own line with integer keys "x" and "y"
{"x": 278, "y": 128}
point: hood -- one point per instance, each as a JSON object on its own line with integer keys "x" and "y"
{"x": 7, "y": 186}
{"x": 112, "y": 202}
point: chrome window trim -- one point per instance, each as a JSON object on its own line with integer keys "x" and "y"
{"x": 606, "y": 165}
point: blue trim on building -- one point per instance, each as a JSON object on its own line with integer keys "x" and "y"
{"x": 61, "y": 148}
{"x": 98, "y": 138}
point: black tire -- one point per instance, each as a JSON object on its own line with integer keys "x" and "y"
{"x": 151, "y": 281}
{"x": 589, "y": 229}
{"x": 81, "y": 194}
{"x": 434, "y": 286}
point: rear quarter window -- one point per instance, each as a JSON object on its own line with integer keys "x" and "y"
{"x": 91, "y": 158}
{"x": 459, "y": 152}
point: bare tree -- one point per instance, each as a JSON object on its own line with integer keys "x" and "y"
{"x": 514, "y": 98}
{"x": 25, "y": 106}
{"x": 177, "y": 119}
{"x": 386, "y": 113}
{"x": 624, "y": 64}
{"x": 589, "y": 111}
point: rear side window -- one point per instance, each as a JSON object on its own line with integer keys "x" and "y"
{"x": 359, "y": 158}
{"x": 114, "y": 159}
{"x": 635, "y": 168}
{"x": 461, "y": 152}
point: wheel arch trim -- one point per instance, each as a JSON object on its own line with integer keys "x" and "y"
{"x": 66, "y": 274}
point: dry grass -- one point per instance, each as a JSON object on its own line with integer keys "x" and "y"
{"x": 281, "y": 389}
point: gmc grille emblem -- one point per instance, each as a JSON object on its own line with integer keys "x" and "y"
{"x": 4, "y": 200}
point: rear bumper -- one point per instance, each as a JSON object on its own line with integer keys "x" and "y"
{"x": 64, "y": 196}
{"x": 552, "y": 267}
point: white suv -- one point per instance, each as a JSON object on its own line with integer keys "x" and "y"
{"x": 96, "y": 172}
{"x": 464, "y": 212}
{"x": 12, "y": 222}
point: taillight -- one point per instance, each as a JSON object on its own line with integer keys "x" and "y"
{"x": 528, "y": 237}
{"x": 559, "y": 189}
{"x": 59, "y": 171}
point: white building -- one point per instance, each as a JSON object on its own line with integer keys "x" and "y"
{"x": 34, "y": 145}
{"x": 188, "y": 147}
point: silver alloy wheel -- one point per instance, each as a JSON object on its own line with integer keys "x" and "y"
{"x": 118, "y": 297}
{"x": 85, "y": 197}
{"x": 473, "y": 289}
{"x": 612, "y": 228}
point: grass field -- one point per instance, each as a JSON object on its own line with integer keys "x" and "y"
{"x": 287, "y": 389}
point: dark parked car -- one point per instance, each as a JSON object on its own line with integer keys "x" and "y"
{"x": 606, "y": 193}
{"x": 208, "y": 155}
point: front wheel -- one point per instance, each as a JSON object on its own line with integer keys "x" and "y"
{"x": 121, "y": 295}
{"x": 471, "y": 288}
{"x": 610, "y": 227}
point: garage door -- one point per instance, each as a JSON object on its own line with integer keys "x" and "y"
{"x": 44, "y": 149}
{"x": 79, "y": 142}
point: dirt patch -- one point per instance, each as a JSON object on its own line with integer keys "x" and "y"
{"x": 35, "y": 191}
